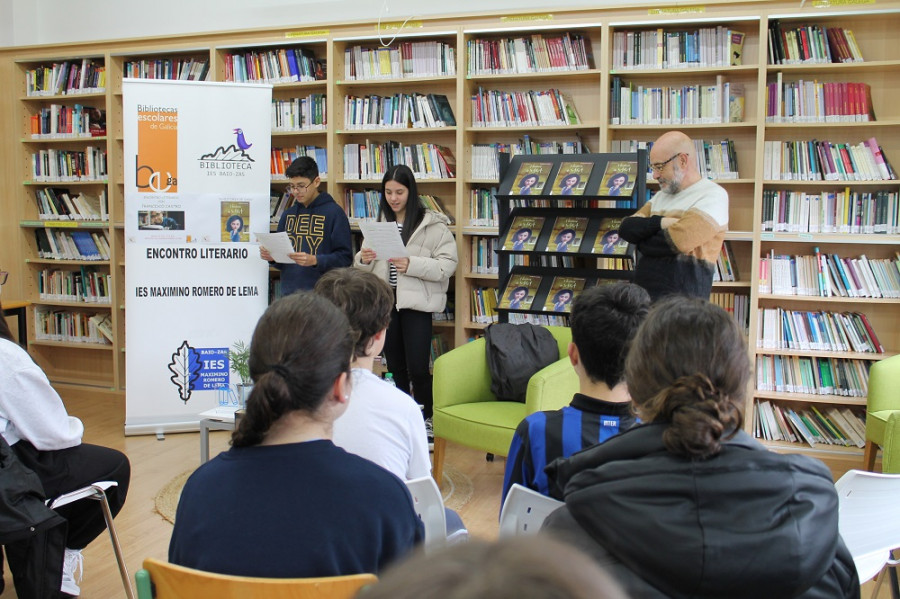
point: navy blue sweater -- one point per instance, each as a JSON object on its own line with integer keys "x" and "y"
{"x": 297, "y": 510}
{"x": 322, "y": 228}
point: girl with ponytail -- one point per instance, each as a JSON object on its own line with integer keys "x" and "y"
{"x": 284, "y": 501}
{"x": 688, "y": 504}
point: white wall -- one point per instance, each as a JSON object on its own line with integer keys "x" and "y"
{"x": 38, "y": 22}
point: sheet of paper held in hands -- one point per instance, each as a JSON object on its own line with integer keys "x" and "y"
{"x": 278, "y": 244}
{"x": 384, "y": 238}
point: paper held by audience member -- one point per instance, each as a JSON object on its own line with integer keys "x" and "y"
{"x": 384, "y": 238}
{"x": 278, "y": 244}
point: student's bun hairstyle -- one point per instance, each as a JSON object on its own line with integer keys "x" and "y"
{"x": 688, "y": 367}
{"x": 301, "y": 345}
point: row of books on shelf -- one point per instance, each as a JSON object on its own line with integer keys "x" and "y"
{"x": 543, "y": 260}
{"x": 831, "y": 212}
{"x": 536, "y": 53}
{"x": 438, "y": 349}
{"x": 59, "y": 121}
{"x": 830, "y": 425}
{"x": 826, "y": 161}
{"x": 726, "y": 265}
{"x": 300, "y": 114}
{"x": 484, "y": 305}
{"x": 660, "y": 49}
{"x": 483, "y": 257}
{"x": 283, "y": 157}
{"x": 818, "y": 102}
{"x": 692, "y": 104}
{"x": 58, "y": 244}
{"x": 53, "y": 165}
{"x": 84, "y": 285}
{"x": 815, "y": 44}
{"x": 56, "y": 203}
{"x": 569, "y": 234}
{"x": 404, "y": 59}
{"x": 816, "y": 330}
{"x": 400, "y": 111}
{"x": 364, "y": 204}
{"x": 483, "y": 208}
{"x": 279, "y": 65}
{"x": 369, "y": 161}
{"x": 66, "y": 78}
{"x": 717, "y": 160}
{"x": 501, "y": 108}
{"x": 448, "y": 314}
{"x": 182, "y": 69}
{"x": 71, "y": 326}
{"x": 829, "y": 275}
{"x": 544, "y": 320}
{"x": 485, "y": 160}
{"x": 738, "y": 305}
{"x": 812, "y": 375}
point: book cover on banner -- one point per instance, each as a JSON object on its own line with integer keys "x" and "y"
{"x": 618, "y": 178}
{"x": 608, "y": 241}
{"x": 531, "y": 179}
{"x": 563, "y": 291}
{"x": 519, "y": 292}
{"x": 235, "y": 221}
{"x": 571, "y": 178}
{"x": 523, "y": 233}
{"x": 567, "y": 234}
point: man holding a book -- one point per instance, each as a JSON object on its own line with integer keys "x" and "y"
{"x": 679, "y": 232}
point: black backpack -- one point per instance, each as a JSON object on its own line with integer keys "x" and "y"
{"x": 514, "y": 353}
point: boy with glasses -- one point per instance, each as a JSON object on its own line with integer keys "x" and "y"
{"x": 317, "y": 227}
{"x": 679, "y": 232}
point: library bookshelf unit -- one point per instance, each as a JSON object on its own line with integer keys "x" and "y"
{"x": 574, "y": 58}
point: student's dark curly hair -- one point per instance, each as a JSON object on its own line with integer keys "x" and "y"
{"x": 688, "y": 367}
{"x": 363, "y": 297}
{"x": 300, "y": 346}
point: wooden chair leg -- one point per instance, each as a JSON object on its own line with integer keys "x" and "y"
{"x": 437, "y": 467}
{"x": 869, "y": 456}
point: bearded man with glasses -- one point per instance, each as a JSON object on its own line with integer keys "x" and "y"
{"x": 318, "y": 229}
{"x": 679, "y": 232}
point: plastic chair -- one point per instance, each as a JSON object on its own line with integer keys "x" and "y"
{"x": 882, "y": 401}
{"x": 869, "y": 521}
{"x": 97, "y": 492}
{"x": 167, "y": 581}
{"x": 466, "y": 412}
{"x": 524, "y": 511}
{"x": 429, "y": 506}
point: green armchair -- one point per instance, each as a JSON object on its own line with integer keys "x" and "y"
{"x": 466, "y": 412}
{"x": 883, "y": 415}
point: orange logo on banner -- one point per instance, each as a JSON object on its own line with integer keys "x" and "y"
{"x": 156, "y": 163}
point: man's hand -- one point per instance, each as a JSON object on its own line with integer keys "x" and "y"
{"x": 667, "y": 221}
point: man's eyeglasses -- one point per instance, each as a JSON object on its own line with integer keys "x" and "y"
{"x": 3, "y": 276}
{"x": 298, "y": 187}
{"x": 658, "y": 166}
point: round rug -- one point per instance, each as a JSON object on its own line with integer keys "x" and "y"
{"x": 457, "y": 490}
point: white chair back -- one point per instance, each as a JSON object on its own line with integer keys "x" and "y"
{"x": 869, "y": 518}
{"x": 429, "y": 506}
{"x": 524, "y": 511}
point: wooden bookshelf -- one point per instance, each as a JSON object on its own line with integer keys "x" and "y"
{"x": 588, "y": 86}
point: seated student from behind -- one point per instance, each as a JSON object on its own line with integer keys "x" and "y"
{"x": 381, "y": 423}
{"x": 603, "y": 320}
{"x": 284, "y": 501}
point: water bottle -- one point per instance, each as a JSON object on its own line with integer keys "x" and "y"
{"x": 389, "y": 379}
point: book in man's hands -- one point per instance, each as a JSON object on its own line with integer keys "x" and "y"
{"x": 567, "y": 234}
{"x": 523, "y": 233}
{"x": 571, "y": 178}
{"x": 519, "y": 292}
{"x": 563, "y": 292}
